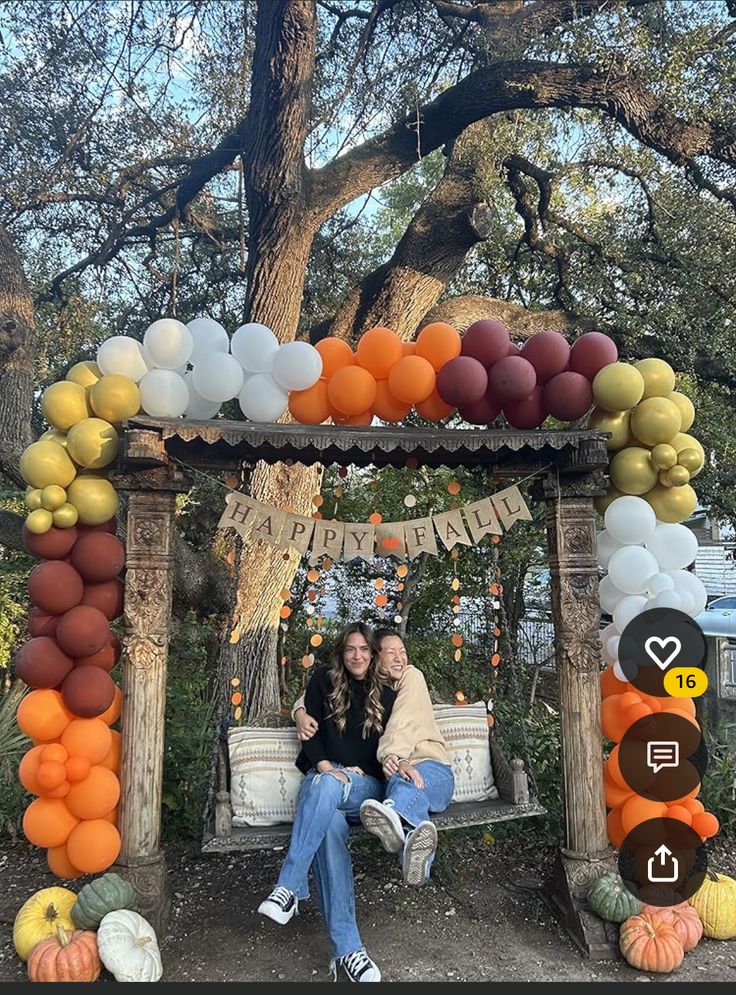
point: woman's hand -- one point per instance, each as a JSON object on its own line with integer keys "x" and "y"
{"x": 409, "y": 773}
{"x": 306, "y": 726}
{"x": 356, "y": 770}
{"x": 391, "y": 766}
{"x": 325, "y": 767}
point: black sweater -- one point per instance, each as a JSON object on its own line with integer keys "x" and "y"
{"x": 350, "y": 749}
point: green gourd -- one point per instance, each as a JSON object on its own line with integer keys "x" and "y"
{"x": 108, "y": 893}
{"x": 610, "y": 899}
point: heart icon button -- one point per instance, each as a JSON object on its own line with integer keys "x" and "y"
{"x": 659, "y": 658}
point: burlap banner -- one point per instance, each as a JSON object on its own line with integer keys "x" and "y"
{"x": 463, "y": 526}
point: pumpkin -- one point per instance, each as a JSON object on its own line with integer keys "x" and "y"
{"x": 38, "y": 918}
{"x": 611, "y": 900}
{"x": 715, "y": 903}
{"x": 650, "y": 944}
{"x": 65, "y": 957}
{"x": 106, "y": 894}
{"x": 684, "y": 919}
{"x": 128, "y": 947}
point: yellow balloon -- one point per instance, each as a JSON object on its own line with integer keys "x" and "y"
{"x": 64, "y": 404}
{"x": 684, "y": 441}
{"x": 672, "y": 504}
{"x": 678, "y": 476}
{"x": 632, "y": 471}
{"x": 93, "y": 443}
{"x": 39, "y": 521}
{"x": 664, "y": 478}
{"x": 686, "y": 407}
{"x": 690, "y": 459}
{"x": 115, "y": 398}
{"x": 65, "y": 516}
{"x": 615, "y": 422}
{"x": 52, "y": 435}
{"x": 602, "y": 501}
{"x": 655, "y": 420}
{"x": 659, "y": 377}
{"x": 617, "y": 387}
{"x": 664, "y": 456}
{"x": 94, "y": 498}
{"x": 85, "y": 373}
{"x": 44, "y": 463}
{"x": 52, "y": 497}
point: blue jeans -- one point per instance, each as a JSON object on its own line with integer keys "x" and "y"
{"x": 414, "y": 804}
{"x": 319, "y": 841}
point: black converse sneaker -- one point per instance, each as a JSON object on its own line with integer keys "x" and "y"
{"x": 359, "y": 967}
{"x": 280, "y": 905}
{"x": 421, "y": 846}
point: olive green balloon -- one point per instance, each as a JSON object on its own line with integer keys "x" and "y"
{"x": 684, "y": 441}
{"x": 691, "y": 460}
{"x": 632, "y": 471}
{"x": 655, "y": 420}
{"x": 615, "y": 422}
{"x": 618, "y": 387}
{"x": 659, "y": 377}
{"x": 672, "y": 504}
{"x": 686, "y": 407}
{"x": 678, "y": 476}
{"x": 664, "y": 456}
{"x": 664, "y": 478}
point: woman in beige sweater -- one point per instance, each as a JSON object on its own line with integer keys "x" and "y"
{"x": 415, "y": 761}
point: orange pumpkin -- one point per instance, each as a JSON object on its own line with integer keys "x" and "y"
{"x": 684, "y": 920}
{"x": 67, "y": 956}
{"x": 649, "y": 943}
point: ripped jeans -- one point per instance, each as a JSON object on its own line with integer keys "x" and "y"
{"x": 319, "y": 842}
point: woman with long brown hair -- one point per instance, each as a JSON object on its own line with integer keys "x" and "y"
{"x": 352, "y": 703}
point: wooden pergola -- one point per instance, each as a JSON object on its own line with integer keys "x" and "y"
{"x": 571, "y": 468}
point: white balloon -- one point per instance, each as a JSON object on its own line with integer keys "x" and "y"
{"x": 208, "y": 336}
{"x": 609, "y": 595}
{"x": 217, "y": 377}
{"x": 296, "y": 366}
{"x": 610, "y": 650}
{"x": 199, "y": 408}
{"x": 691, "y": 590}
{"x": 666, "y": 599}
{"x": 630, "y": 568}
{"x": 262, "y": 400}
{"x": 606, "y": 633}
{"x": 122, "y": 355}
{"x": 627, "y": 609}
{"x": 164, "y": 394}
{"x": 674, "y": 546}
{"x": 605, "y": 546}
{"x": 659, "y": 583}
{"x": 168, "y": 343}
{"x": 630, "y": 520}
{"x": 254, "y": 346}
{"x": 618, "y": 673}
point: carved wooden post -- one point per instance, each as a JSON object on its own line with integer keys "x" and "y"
{"x": 148, "y": 592}
{"x": 576, "y": 613}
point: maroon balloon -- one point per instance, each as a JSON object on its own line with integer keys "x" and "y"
{"x": 88, "y": 691}
{"x": 111, "y": 526}
{"x": 52, "y": 545}
{"x": 549, "y": 354}
{"x": 82, "y": 630}
{"x": 41, "y": 664}
{"x": 487, "y": 341}
{"x": 526, "y": 414}
{"x": 98, "y": 556}
{"x": 512, "y": 378}
{"x": 591, "y": 352}
{"x": 514, "y": 350}
{"x": 41, "y": 623}
{"x": 568, "y": 396}
{"x": 107, "y": 596}
{"x": 462, "y": 380}
{"x": 483, "y": 411}
{"x": 106, "y": 658}
{"x": 55, "y": 587}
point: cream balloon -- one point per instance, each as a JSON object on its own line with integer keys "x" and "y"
{"x": 660, "y": 583}
{"x": 659, "y": 377}
{"x": 630, "y": 568}
{"x": 93, "y": 443}
{"x": 63, "y": 404}
{"x": 164, "y": 394}
{"x": 617, "y": 387}
{"x": 124, "y": 356}
{"x": 609, "y": 595}
{"x": 605, "y": 546}
{"x": 44, "y": 463}
{"x": 296, "y": 366}
{"x": 627, "y": 609}
{"x": 199, "y": 408}
{"x": 254, "y": 346}
{"x": 673, "y": 546}
{"x": 692, "y": 591}
{"x": 208, "y": 336}
{"x": 630, "y": 520}
{"x": 168, "y": 343}
{"x": 262, "y": 400}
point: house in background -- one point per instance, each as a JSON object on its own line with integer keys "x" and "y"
{"x": 715, "y": 563}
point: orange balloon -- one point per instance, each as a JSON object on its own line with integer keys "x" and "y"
{"x": 42, "y": 715}
{"x": 612, "y": 718}
{"x": 693, "y": 806}
{"x": 705, "y": 824}
{"x": 93, "y": 846}
{"x": 684, "y": 705}
{"x": 412, "y": 379}
{"x": 434, "y": 408}
{"x": 55, "y": 753}
{"x": 378, "y": 350}
{"x": 637, "y": 810}
{"x": 112, "y": 816}
{"x": 112, "y": 714}
{"x": 28, "y": 768}
{"x": 89, "y": 738}
{"x": 59, "y": 792}
{"x": 680, "y": 813}
{"x": 48, "y": 822}
{"x": 60, "y": 865}
{"x": 50, "y": 775}
{"x": 610, "y": 684}
{"x": 631, "y": 715}
{"x": 364, "y": 418}
{"x": 613, "y": 770}
{"x": 388, "y": 407}
{"x": 615, "y": 796}
{"x": 616, "y": 832}
{"x": 310, "y": 406}
{"x": 408, "y": 348}
{"x": 335, "y": 354}
{"x": 95, "y": 796}
{"x": 352, "y": 390}
{"x": 112, "y": 760}
{"x": 439, "y": 343}
{"x": 77, "y": 768}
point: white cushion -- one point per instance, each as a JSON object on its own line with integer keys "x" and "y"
{"x": 264, "y": 781}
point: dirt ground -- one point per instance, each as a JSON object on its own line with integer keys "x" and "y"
{"x": 482, "y": 918}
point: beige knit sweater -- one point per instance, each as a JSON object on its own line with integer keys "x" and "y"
{"x": 412, "y": 732}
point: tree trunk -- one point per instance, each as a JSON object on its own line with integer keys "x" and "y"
{"x": 522, "y": 323}
{"x": 17, "y": 339}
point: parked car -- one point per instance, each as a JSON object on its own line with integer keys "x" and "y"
{"x": 719, "y": 618}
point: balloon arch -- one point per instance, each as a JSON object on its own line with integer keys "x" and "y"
{"x": 189, "y": 371}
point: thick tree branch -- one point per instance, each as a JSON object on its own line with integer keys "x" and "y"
{"x": 462, "y": 311}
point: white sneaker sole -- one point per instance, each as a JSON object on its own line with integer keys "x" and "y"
{"x": 419, "y": 851}
{"x": 377, "y": 821}
{"x": 274, "y": 912}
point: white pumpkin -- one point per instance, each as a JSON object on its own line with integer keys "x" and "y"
{"x": 128, "y": 947}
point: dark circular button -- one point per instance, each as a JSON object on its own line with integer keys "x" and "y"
{"x": 656, "y": 641}
{"x": 663, "y": 862}
{"x": 663, "y": 757}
